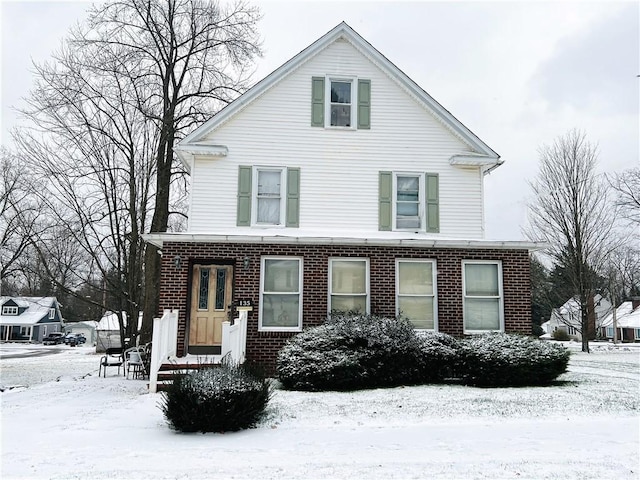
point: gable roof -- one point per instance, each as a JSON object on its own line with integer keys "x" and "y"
{"x": 193, "y": 144}
{"x": 626, "y": 316}
{"x": 37, "y": 308}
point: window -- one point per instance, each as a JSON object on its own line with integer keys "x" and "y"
{"x": 44, "y": 331}
{"x": 269, "y": 196}
{"x": 637, "y": 333}
{"x": 609, "y": 332}
{"x": 9, "y": 310}
{"x": 349, "y": 285}
{"x": 281, "y": 294}
{"x": 415, "y": 292}
{"x": 482, "y": 286}
{"x": 408, "y": 201}
{"x": 52, "y": 313}
{"x": 340, "y": 111}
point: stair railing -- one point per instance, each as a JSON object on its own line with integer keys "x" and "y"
{"x": 163, "y": 344}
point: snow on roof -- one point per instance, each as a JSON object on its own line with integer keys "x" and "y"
{"x": 109, "y": 321}
{"x": 37, "y": 308}
{"x": 626, "y": 316}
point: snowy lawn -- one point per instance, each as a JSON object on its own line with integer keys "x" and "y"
{"x": 67, "y": 423}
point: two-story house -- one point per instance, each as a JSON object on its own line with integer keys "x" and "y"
{"x": 337, "y": 183}
{"x": 29, "y": 319}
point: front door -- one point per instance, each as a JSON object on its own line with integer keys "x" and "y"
{"x": 210, "y": 306}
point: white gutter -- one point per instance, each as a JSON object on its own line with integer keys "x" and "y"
{"x": 158, "y": 239}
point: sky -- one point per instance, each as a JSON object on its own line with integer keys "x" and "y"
{"x": 70, "y": 423}
{"x": 517, "y": 74}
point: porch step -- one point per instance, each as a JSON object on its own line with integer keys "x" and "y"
{"x": 168, "y": 372}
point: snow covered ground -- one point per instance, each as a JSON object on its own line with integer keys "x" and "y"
{"x": 67, "y": 423}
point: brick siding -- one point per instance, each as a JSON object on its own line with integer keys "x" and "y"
{"x": 262, "y": 347}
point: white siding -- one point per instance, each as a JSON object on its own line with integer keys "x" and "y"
{"x": 338, "y": 168}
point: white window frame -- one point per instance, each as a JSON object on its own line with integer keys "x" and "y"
{"x": 52, "y": 313}
{"x": 9, "y": 310}
{"x": 434, "y": 273}
{"x": 354, "y": 101}
{"x": 44, "y": 331}
{"x": 297, "y": 328}
{"x": 254, "y": 195}
{"x": 500, "y": 294}
{"x": 421, "y": 201}
{"x": 609, "y": 332}
{"x": 367, "y": 293}
{"x": 637, "y": 333}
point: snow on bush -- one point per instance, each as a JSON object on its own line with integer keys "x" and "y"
{"x": 223, "y": 399}
{"x": 500, "y": 359}
{"x": 355, "y": 351}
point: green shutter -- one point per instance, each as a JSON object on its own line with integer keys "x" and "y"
{"x": 433, "y": 201}
{"x": 385, "y": 194}
{"x": 244, "y": 197}
{"x": 293, "y": 197}
{"x": 317, "y": 102}
{"x": 364, "y": 104}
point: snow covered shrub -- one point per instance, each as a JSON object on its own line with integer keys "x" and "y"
{"x": 353, "y": 351}
{"x": 223, "y": 399}
{"x": 438, "y": 356}
{"x": 500, "y": 360}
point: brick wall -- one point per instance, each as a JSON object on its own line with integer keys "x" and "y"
{"x": 263, "y": 346}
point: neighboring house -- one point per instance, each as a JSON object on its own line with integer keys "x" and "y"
{"x": 29, "y": 319}
{"x": 568, "y": 317}
{"x": 88, "y": 329}
{"x": 627, "y": 322}
{"x": 337, "y": 183}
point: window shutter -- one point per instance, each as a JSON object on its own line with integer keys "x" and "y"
{"x": 385, "y": 193}
{"x": 244, "y": 197}
{"x": 317, "y": 102}
{"x": 364, "y": 104}
{"x": 433, "y": 203}
{"x": 293, "y": 197}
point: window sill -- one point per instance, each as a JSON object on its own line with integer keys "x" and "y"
{"x": 279, "y": 329}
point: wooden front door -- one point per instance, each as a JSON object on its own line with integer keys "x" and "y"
{"x": 210, "y": 306}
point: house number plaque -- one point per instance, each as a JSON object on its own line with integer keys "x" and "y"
{"x": 244, "y": 304}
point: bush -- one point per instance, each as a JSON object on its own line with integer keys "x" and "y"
{"x": 355, "y": 351}
{"x": 438, "y": 356}
{"x": 223, "y": 399}
{"x": 561, "y": 335}
{"x": 500, "y": 359}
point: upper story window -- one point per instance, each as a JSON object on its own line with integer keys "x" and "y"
{"x": 9, "y": 310}
{"x": 340, "y": 111}
{"x": 409, "y": 201}
{"x": 482, "y": 296}
{"x": 341, "y": 102}
{"x": 268, "y": 196}
{"x": 52, "y": 313}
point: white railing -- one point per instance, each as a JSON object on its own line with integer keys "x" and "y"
{"x": 163, "y": 344}
{"x": 234, "y": 338}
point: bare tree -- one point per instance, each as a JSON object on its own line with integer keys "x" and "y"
{"x": 19, "y": 215}
{"x": 571, "y": 213}
{"x": 189, "y": 58}
{"x": 627, "y": 193}
{"x": 131, "y": 81}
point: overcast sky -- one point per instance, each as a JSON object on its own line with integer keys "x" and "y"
{"x": 518, "y": 74}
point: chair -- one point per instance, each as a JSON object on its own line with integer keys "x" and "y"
{"x": 113, "y": 357}
{"x": 134, "y": 360}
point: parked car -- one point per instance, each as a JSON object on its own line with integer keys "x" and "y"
{"x": 54, "y": 338}
{"x": 74, "y": 338}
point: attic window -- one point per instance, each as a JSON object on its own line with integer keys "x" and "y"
{"x": 52, "y": 313}
{"x": 9, "y": 310}
{"x": 340, "y": 107}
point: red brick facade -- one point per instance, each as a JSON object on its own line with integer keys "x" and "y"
{"x": 262, "y": 347}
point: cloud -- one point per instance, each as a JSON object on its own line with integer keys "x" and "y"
{"x": 596, "y": 69}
